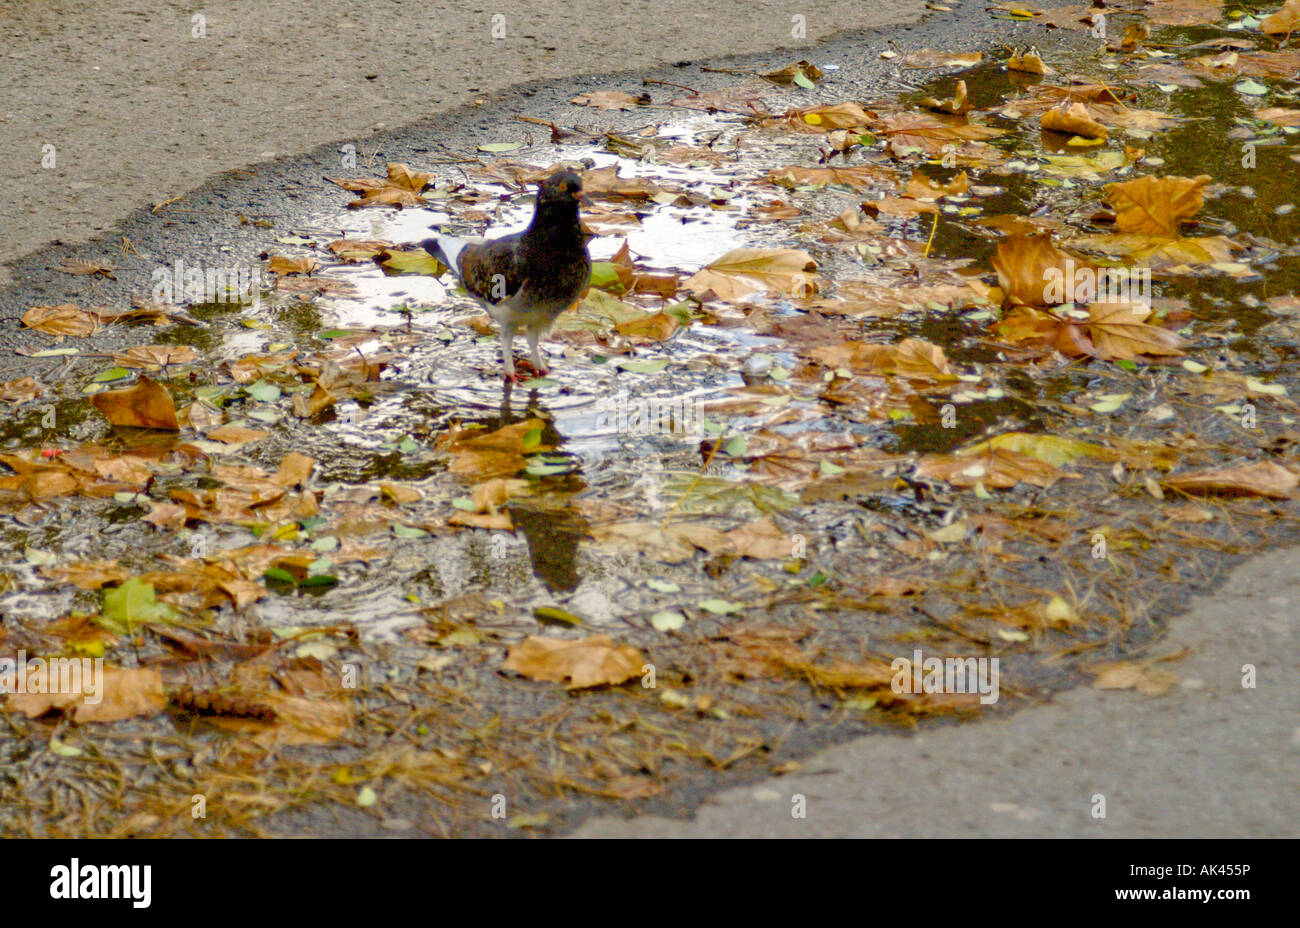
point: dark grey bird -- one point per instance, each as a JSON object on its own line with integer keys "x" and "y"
{"x": 525, "y": 280}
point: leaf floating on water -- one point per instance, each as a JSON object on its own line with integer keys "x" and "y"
{"x": 147, "y": 405}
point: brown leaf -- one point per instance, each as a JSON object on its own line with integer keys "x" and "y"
{"x": 593, "y": 661}
{"x": 1076, "y": 120}
{"x": 937, "y": 58}
{"x": 22, "y": 390}
{"x": 608, "y": 100}
{"x": 762, "y": 540}
{"x": 859, "y": 177}
{"x": 236, "y": 436}
{"x": 304, "y": 406}
{"x": 481, "y": 454}
{"x": 282, "y": 265}
{"x": 154, "y": 357}
{"x": 1030, "y": 63}
{"x": 294, "y": 470}
{"x": 86, "y": 268}
{"x": 1284, "y": 21}
{"x": 64, "y": 319}
{"x": 122, "y": 694}
{"x": 787, "y": 74}
{"x": 743, "y": 272}
{"x": 1119, "y": 333}
{"x": 1026, "y": 264}
{"x": 1155, "y": 205}
{"x": 998, "y": 469}
{"x": 654, "y": 327}
{"x": 1123, "y": 675}
{"x": 1263, "y": 478}
{"x": 922, "y": 187}
{"x": 147, "y": 405}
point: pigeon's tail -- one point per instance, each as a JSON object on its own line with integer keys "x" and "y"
{"x": 447, "y": 249}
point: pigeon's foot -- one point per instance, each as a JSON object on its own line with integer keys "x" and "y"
{"x": 531, "y": 368}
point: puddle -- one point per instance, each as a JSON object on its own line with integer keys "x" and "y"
{"x": 392, "y": 563}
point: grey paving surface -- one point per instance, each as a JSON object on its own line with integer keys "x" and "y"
{"x": 139, "y": 110}
{"x": 1209, "y": 758}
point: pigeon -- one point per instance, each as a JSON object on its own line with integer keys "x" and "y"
{"x": 525, "y": 280}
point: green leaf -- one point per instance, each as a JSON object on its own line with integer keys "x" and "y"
{"x": 134, "y": 602}
{"x": 532, "y": 439}
{"x": 802, "y": 80}
{"x": 262, "y": 391}
{"x": 408, "y": 531}
{"x": 667, "y": 620}
{"x": 64, "y": 750}
{"x": 413, "y": 262}
{"x": 643, "y": 367}
{"x": 604, "y": 276}
{"x": 720, "y": 606}
{"x": 550, "y": 615}
{"x": 113, "y": 373}
{"x": 279, "y": 575}
{"x": 663, "y": 586}
{"x": 501, "y": 146}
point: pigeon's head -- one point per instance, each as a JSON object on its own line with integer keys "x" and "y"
{"x": 563, "y": 187}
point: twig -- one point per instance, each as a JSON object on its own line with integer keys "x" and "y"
{"x": 690, "y": 90}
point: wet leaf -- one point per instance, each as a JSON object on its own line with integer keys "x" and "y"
{"x": 593, "y": 661}
{"x": 124, "y": 693}
{"x": 1156, "y": 205}
{"x": 1074, "y": 120}
{"x": 279, "y": 264}
{"x": 746, "y": 271}
{"x": 133, "y": 603}
{"x": 1028, "y": 264}
{"x": 1263, "y": 478}
{"x": 147, "y": 405}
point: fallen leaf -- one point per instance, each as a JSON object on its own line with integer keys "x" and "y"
{"x": 593, "y": 661}
{"x": 64, "y": 319}
{"x": 743, "y": 272}
{"x": 1263, "y": 478}
{"x": 1156, "y": 205}
{"x": 147, "y": 405}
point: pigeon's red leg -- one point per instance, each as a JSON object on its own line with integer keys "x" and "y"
{"x": 530, "y": 367}
{"x": 534, "y": 336}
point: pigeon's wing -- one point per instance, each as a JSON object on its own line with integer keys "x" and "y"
{"x": 488, "y": 269}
